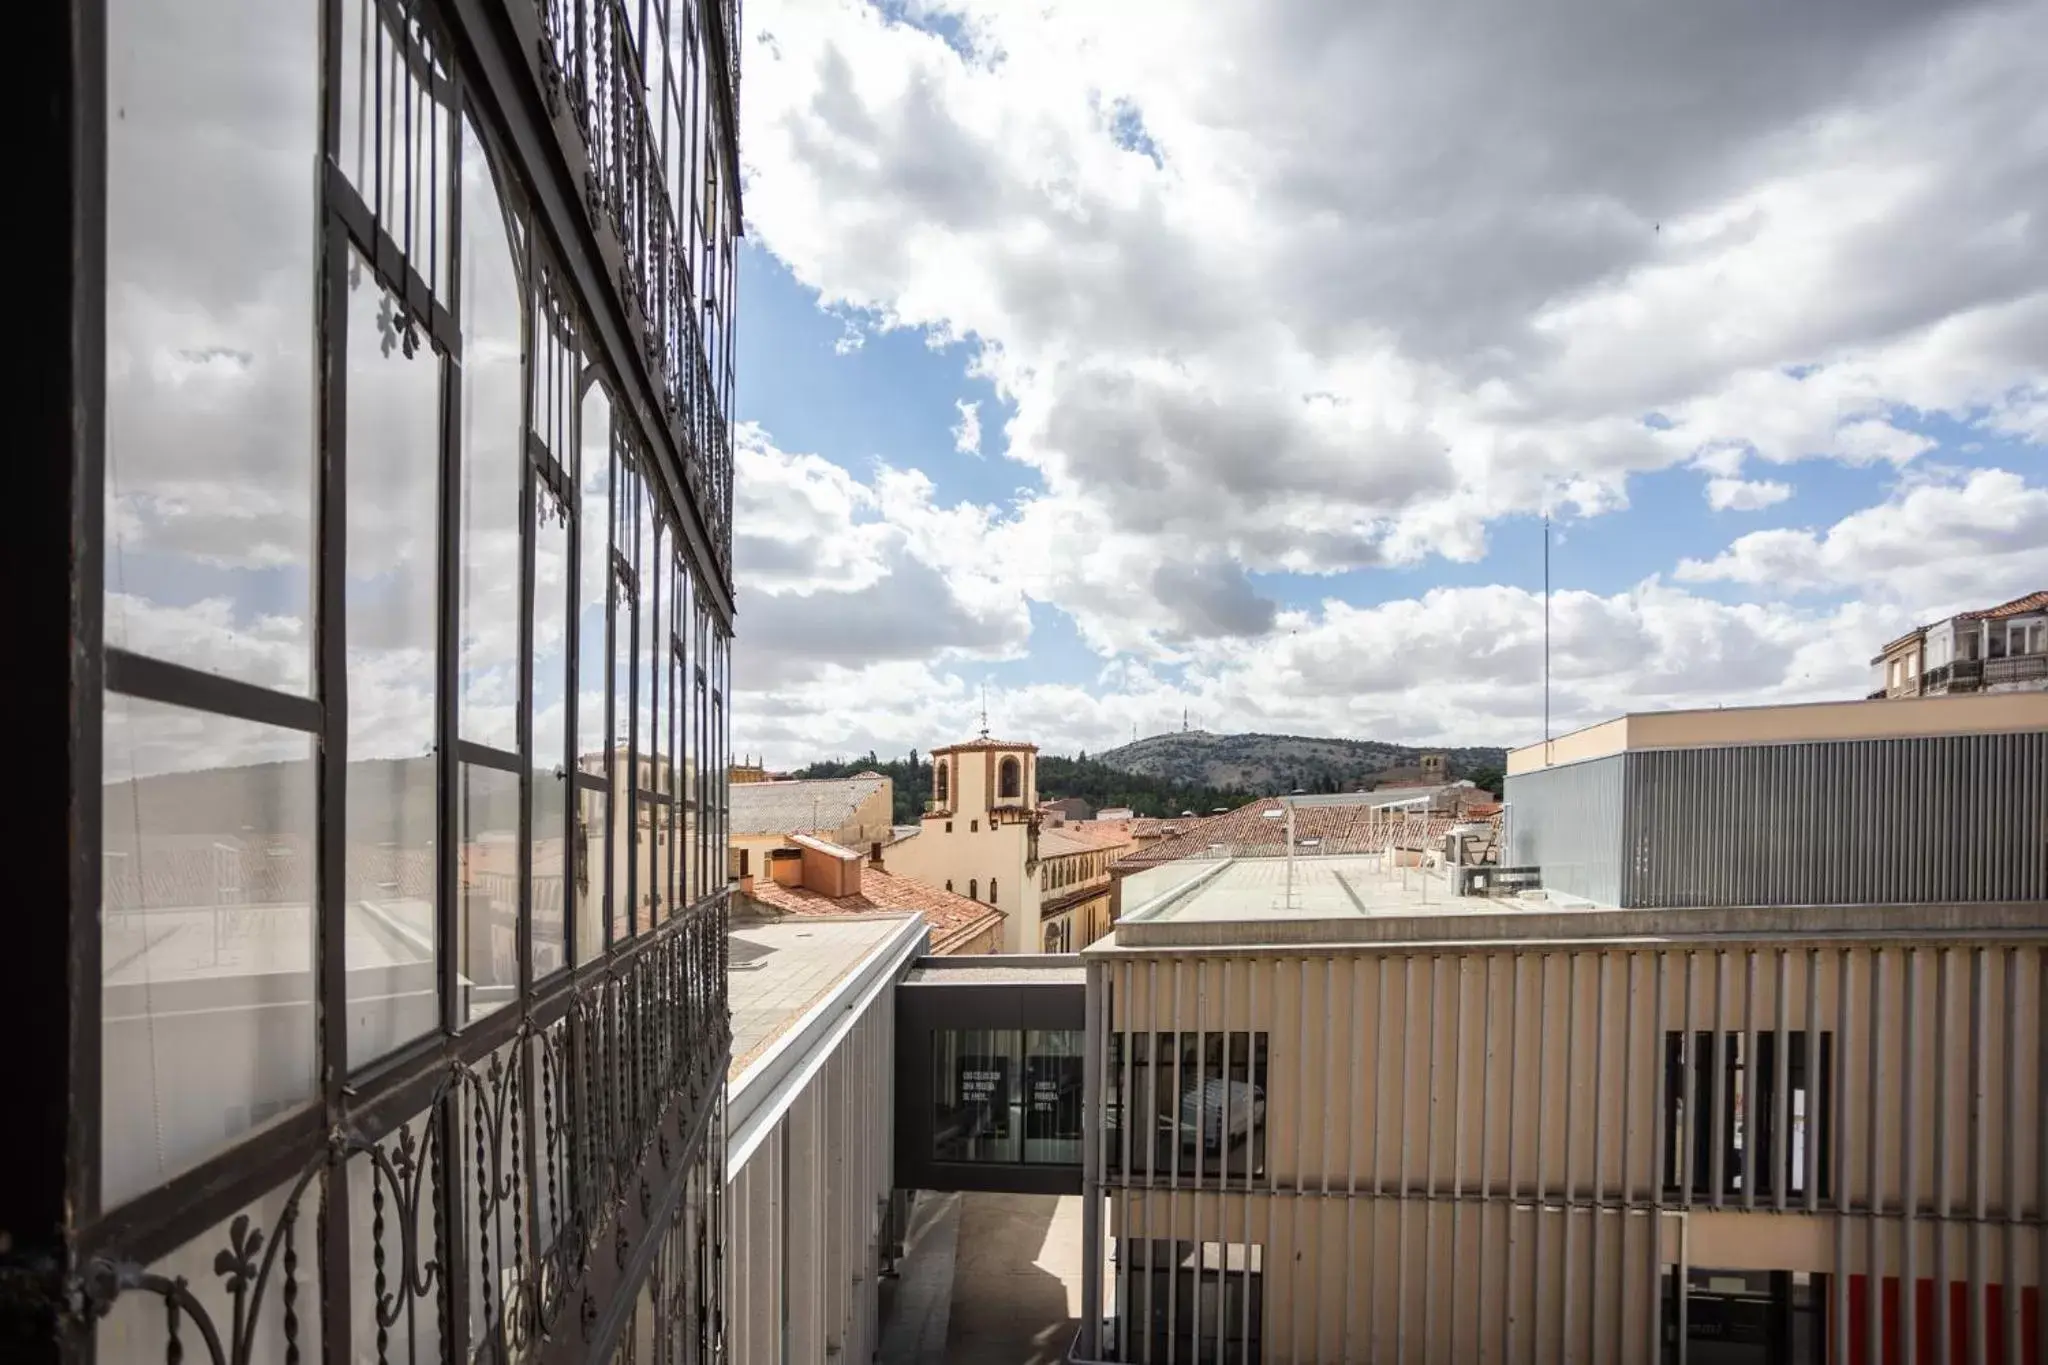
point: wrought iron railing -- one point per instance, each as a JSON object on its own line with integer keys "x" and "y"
{"x": 2015, "y": 668}
{"x": 524, "y": 1174}
{"x": 590, "y": 71}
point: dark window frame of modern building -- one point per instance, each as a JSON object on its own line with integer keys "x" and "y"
{"x": 1687, "y": 1167}
{"x": 1188, "y": 1062}
{"x": 597, "y": 1090}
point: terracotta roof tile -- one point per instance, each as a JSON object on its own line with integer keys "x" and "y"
{"x": 1088, "y": 836}
{"x": 2019, "y": 606}
{"x": 953, "y": 918}
{"x": 984, "y": 742}
{"x": 1248, "y": 832}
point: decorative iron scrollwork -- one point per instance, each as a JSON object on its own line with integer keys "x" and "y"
{"x": 549, "y": 1161}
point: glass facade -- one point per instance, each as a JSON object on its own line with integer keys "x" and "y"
{"x": 1007, "y": 1096}
{"x": 403, "y": 636}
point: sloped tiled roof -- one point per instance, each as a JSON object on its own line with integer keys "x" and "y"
{"x": 2019, "y": 606}
{"x": 953, "y": 918}
{"x": 1088, "y": 836}
{"x": 984, "y": 742}
{"x": 2025, "y": 605}
{"x": 810, "y": 805}
{"x": 1248, "y": 832}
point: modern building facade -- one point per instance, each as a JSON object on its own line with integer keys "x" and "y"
{"x": 383, "y": 439}
{"x": 1995, "y": 649}
{"x": 1509, "y": 1133}
{"x": 1343, "y": 1108}
{"x": 1921, "y": 801}
{"x": 813, "y": 1214}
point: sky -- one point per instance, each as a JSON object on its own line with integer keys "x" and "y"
{"x": 1127, "y": 361}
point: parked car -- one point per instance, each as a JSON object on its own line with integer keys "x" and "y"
{"x": 1218, "y": 1107}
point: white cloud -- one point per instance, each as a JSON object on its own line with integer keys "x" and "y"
{"x": 1745, "y": 495}
{"x": 1426, "y": 275}
{"x": 967, "y": 431}
{"x": 838, "y": 571}
{"x": 1945, "y": 540}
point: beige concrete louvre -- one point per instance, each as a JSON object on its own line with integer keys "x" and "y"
{"x": 1498, "y": 1148}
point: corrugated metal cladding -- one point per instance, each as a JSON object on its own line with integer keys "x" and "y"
{"x": 1853, "y": 822}
{"x": 1493, "y": 1152}
{"x": 1568, "y": 821}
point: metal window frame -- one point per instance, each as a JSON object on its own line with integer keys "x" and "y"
{"x": 98, "y": 1253}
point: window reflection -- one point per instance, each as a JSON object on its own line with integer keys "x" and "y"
{"x": 1196, "y": 1100}
{"x": 206, "y": 921}
{"x": 493, "y": 457}
{"x": 550, "y": 739}
{"x": 213, "y": 112}
{"x": 487, "y": 889}
{"x": 1007, "y": 1095}
{"x": 593, "y": 591}
{"x": 393, "y": 436}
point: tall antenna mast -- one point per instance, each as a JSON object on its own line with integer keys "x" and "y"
{"x": 1546, "y": 634}
{"x": 984, "y": 712}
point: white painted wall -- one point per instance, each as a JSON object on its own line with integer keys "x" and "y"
{"x": 810, "y": 1136}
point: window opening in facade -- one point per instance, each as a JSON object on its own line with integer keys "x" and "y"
{"x": 1185, "y": 1091}
{"x": 1007, "y": 1096}
{"x": 1722, "y": 1100}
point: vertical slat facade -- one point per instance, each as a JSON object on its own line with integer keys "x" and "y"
{"x": 1482, "y": 1151}
{"x": 1931, "y": 819}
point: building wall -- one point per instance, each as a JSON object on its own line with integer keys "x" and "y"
{"x": 810, "y": 1178}
{"x": 1909, "y": 820}
{"x": 978, "y": 859}
{"x": 868, "y": 825}
{"x": 1465, "y": 1143}
{"x": 1914, "y": 821}
{"x": 1568, "y": 821}
{"x": 1911, "y": 717}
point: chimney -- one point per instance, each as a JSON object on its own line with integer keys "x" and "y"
{"x": 875, "y": 853}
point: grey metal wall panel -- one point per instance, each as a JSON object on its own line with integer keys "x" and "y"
{"x": 1851, "y": 822}
{"x": 1568, "y": 821}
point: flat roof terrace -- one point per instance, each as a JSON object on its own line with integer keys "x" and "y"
{"x": 782, "y": 969}
{"x": 1305, "y": 887}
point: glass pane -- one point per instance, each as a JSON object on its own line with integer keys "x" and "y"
{"x": 550, "y": 738}
{"x": 646, "y": 749}
{"x": 1052, "y": 1095}
{"x": 593, "y": 675}
{"x": 207, "y": 888}
{"x": 593, "y": 576}
{"x": 280, "y": 1313}
{"x": 395, "y": 138}
{"x": 624, "y": 781}
{"x": 493, "y": 458}
{"x": 213, "y": 121}
{"x": 487, "y": 890}
{"x": 394, "y": 433}
{"x": 976, "y": 1096}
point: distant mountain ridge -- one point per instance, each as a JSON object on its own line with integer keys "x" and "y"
{"x": 1271, "y": 764}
